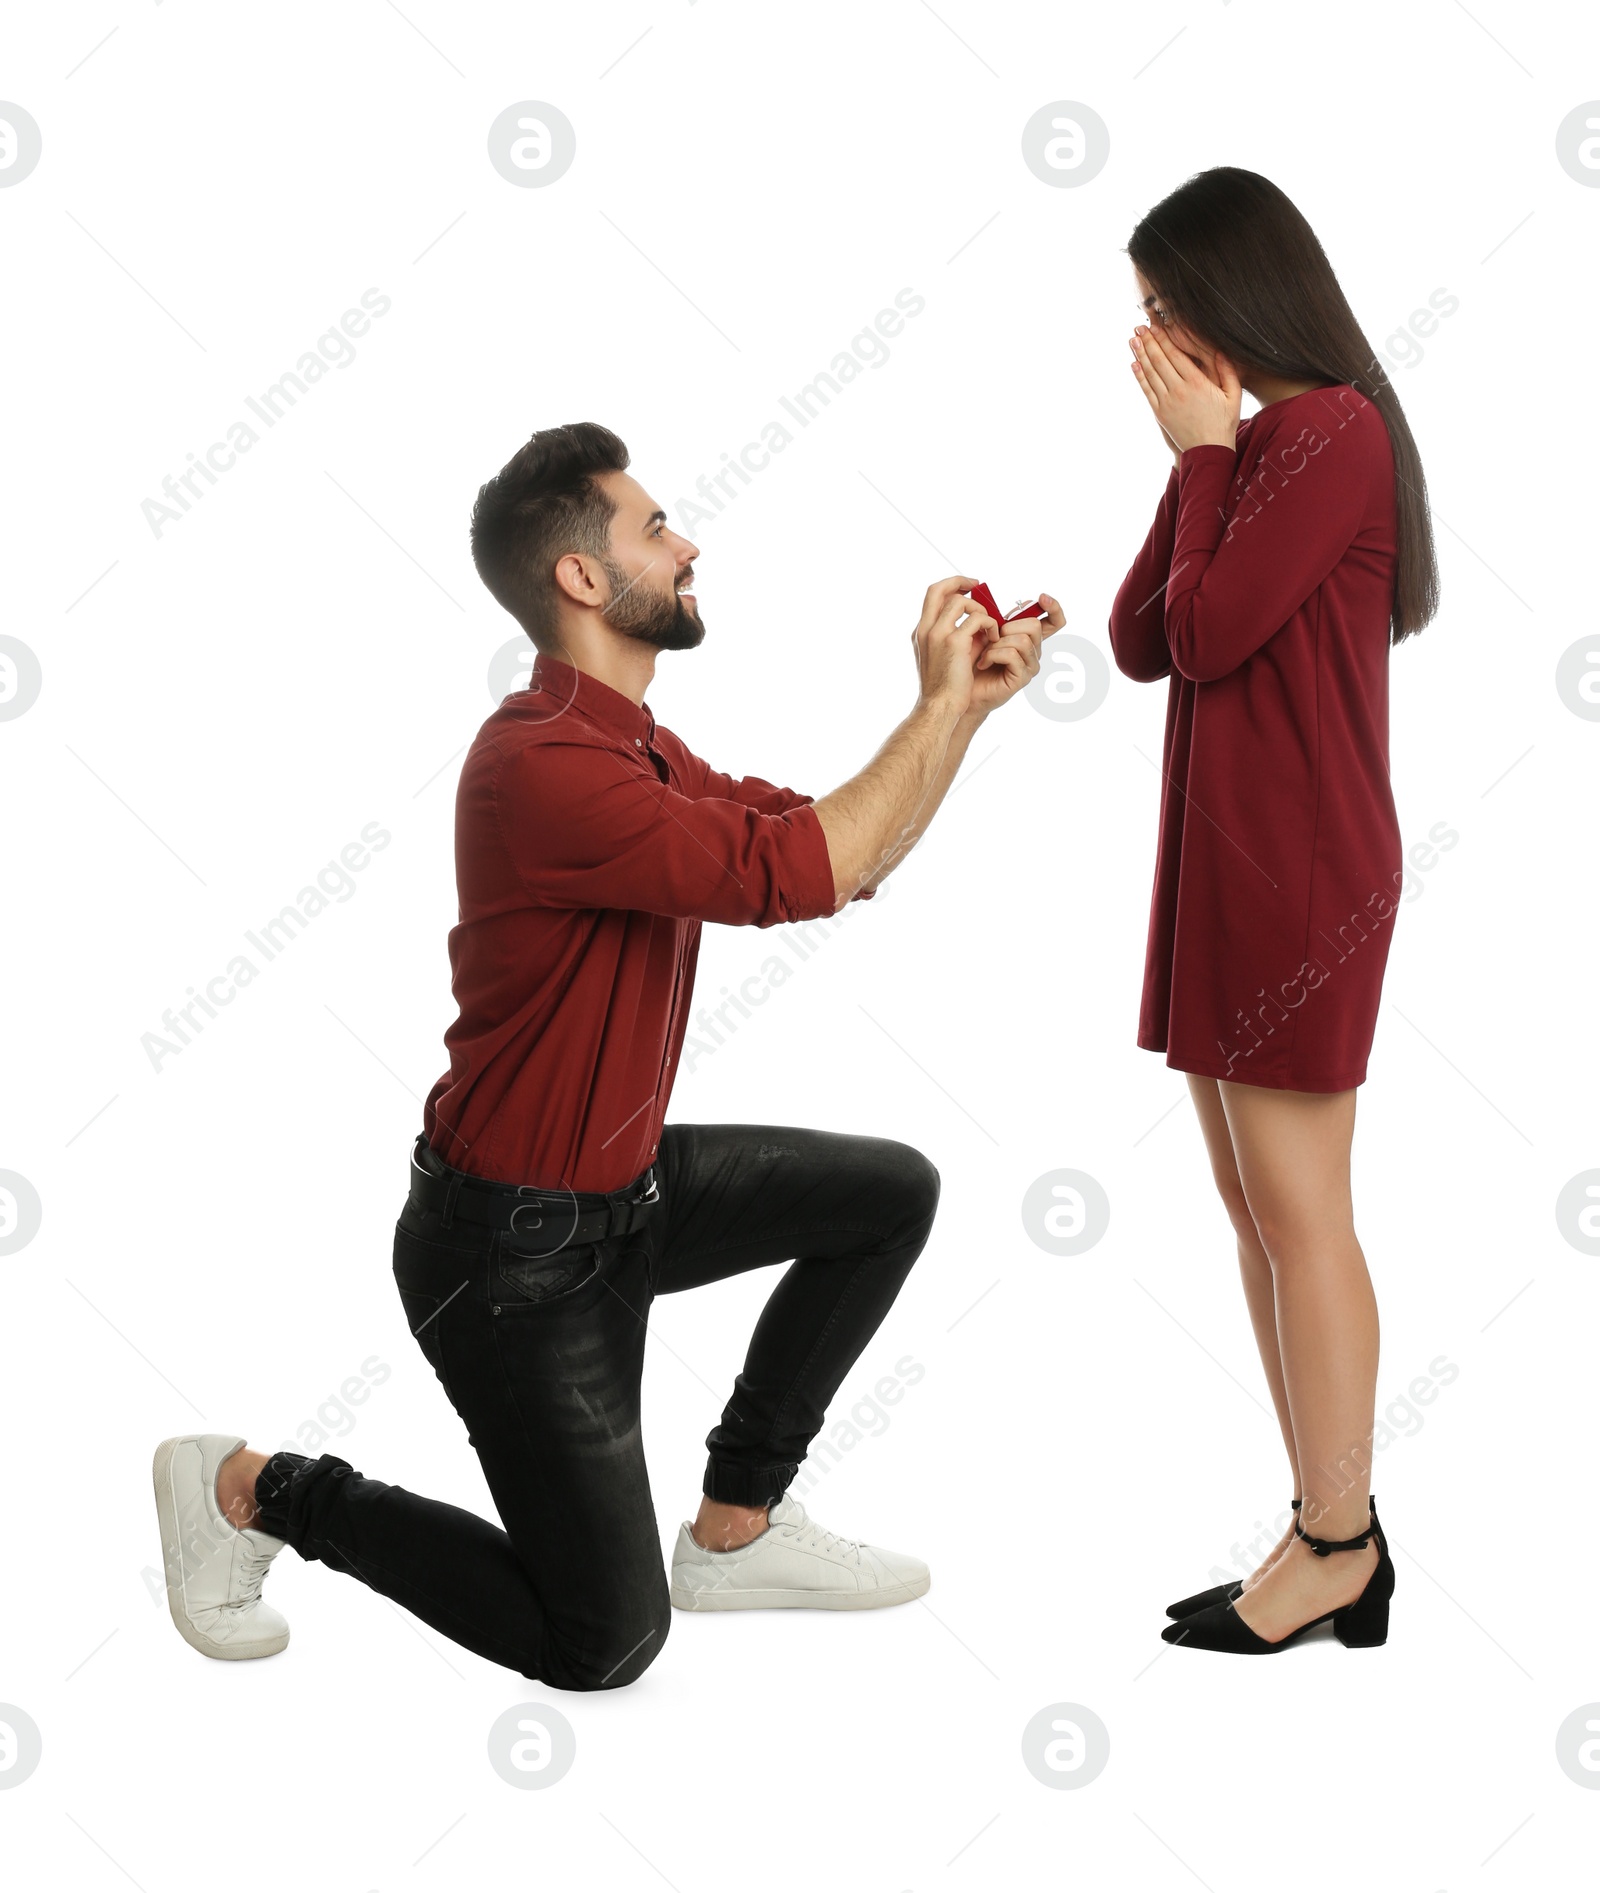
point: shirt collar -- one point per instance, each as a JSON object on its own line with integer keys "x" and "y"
{"x": 610, "y": 709}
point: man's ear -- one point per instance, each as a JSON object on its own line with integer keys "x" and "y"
{"x": 578, "y": 579}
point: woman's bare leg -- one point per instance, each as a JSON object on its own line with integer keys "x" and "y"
{"x": 1292, "y": 1149}
{"x": 1255, "y": 1272}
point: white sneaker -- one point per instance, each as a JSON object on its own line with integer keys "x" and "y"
{"x": 214, "y": 1570}
{"x": 794, "y": 1565}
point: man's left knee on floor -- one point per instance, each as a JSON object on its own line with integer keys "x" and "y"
{"x": 616, "y": 1659}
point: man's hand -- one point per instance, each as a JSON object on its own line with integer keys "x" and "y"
{"x": 950, "y": 637}
{"x": 1193, "y": 406}
{"x": 1011, "y": 662}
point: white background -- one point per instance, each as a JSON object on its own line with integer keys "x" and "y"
{"x": 306, "y": 651}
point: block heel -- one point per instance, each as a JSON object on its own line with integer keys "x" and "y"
{"x": 1364, "y": 1625}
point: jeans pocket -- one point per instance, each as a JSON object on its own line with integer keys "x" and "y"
{"x": 523, "y": 1281}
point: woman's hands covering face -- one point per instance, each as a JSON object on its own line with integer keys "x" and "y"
{"x": 1194, "y": 397}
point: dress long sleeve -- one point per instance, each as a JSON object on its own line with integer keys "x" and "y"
{"x": 1242, "y": 565}
{"x": 1138, "y": 628}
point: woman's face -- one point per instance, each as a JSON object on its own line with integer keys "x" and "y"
{"x": 1160, "y": 319}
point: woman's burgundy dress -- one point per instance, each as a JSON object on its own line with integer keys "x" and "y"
{"x": 1264, "y": 593}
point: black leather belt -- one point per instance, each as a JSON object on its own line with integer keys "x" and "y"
{"x": 542, "y": 1221}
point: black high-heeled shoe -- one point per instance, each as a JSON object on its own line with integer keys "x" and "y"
{"x": 1360, "y": 1625}
{"x": 1217, "y": 1594}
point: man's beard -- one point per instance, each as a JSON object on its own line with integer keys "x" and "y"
{"x": 665, "y": 622}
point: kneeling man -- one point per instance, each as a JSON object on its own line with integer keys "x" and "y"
{"x": 550, "y": 1203}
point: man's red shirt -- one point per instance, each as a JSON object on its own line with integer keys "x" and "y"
{"x": 590, "y": 845}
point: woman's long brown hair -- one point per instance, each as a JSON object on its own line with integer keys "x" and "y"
{"x": 1235, "y": 262}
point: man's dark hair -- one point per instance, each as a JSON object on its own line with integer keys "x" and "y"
{"x": 544, "y": 503}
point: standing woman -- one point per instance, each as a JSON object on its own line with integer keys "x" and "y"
{"x": 1287, "y": 554}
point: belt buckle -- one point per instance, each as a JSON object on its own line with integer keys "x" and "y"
{"x": 654, "y": 1193}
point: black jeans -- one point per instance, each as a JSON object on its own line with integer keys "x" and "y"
{"x": 573, "y": 1591}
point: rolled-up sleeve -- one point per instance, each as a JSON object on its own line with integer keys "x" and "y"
{"x": 586, "y": 827}
{"x": 750, "y": 792}
{"x": 747, "y": 791}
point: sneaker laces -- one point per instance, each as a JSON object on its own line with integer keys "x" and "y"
{"x": 251, "y": 1569}
{"x": 809, "y": 1532}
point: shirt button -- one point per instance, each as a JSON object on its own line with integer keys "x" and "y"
{"x": 638, "y": 742}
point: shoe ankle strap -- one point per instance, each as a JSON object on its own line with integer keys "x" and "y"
{"x": 1322, "y": 1547}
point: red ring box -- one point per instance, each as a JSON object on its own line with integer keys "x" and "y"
{"x": 981, "y": 595}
